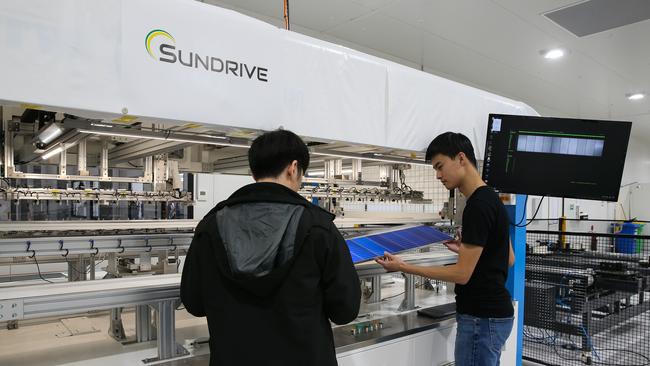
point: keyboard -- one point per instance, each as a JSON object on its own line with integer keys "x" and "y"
{"x": 440, "y": 311}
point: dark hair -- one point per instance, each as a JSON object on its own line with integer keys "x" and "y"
{"x": 450, "y": 144}
{"x": 271, "y": 152}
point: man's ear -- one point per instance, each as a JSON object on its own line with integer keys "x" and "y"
{"x": 462, "y": 159}
{"x": 293, "y": 168}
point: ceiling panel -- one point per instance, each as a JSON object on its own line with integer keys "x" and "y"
{"x": 595, "y": 16}
{"x": 374, "y": 4}
{"x": 322, "y": 15}
{"x": 469, "y": 67}
{"x": 482, "y": 26}
{"x": 269, "y": 8}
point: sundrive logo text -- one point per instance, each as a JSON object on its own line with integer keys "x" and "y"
{"x": 171, "y": 54}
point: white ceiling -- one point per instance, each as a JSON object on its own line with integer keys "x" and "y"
{"x": 489, "y": 44}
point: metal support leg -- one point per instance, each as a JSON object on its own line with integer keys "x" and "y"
{"x": 409, "y": 293}
{"x": 144, "y": 329}
{"x": 104, "y": 160}
{"x": 357, "y": 170}
{"x": 116, "y": 329}
{"x": 166, "y": 332}
{"x": 375, "y": 284}
{"x": 63, "y": 162}
{"x": 587, "y": 350}
{"x": 91, "y": 271}
{"x": 148, "y": 169}
{"x": 81, "y": 158}
{"x": 77, "y": 269}
{"x": 9, "y": 149}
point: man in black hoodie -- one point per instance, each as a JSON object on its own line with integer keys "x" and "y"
{"x": 269, "y": 269}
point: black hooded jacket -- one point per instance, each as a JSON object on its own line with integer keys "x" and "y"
{"x": 270, "y": 270}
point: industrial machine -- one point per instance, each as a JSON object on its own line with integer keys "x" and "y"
{"x": 105, "y": 144}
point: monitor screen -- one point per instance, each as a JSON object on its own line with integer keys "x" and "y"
{"x": 558, "y": 157}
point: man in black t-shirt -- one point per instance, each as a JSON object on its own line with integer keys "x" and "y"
{"x": 484, "y": 308}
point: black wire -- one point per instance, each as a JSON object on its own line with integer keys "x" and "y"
{"x": 554, "y": 346}
{"x": 535, "y": 214}
{"x": 524, "y": 215}
{"x": 39, "y": 271}
{"x": 390, "y": 297}
{"x": 623, "y": 350}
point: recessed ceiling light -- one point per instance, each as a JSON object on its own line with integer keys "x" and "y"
{"x": 635, "y": 96}
{"x": 553, "y": 54}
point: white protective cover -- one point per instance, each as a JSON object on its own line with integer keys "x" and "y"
{"x": 90, "y": 58}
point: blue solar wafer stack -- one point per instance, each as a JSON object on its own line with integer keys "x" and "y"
{"x": 368, "y": 247}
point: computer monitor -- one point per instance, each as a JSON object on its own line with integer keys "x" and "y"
{"x": 558, "y": 157}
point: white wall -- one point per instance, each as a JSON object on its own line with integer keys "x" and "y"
{"x": 633, "y": 197}
{"x": 637, "y": 164}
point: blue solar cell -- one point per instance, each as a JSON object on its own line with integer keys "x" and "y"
{"x": 429, "y": 233}
{"x": 421, "y": 235}
{"x": 401, "y": 240}
{"x": 369, "y": 247}
{"x": 358, "y": 251}
{"x": 391, "y": 246}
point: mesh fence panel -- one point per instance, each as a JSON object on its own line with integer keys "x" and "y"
{"x": 586, "y": 299}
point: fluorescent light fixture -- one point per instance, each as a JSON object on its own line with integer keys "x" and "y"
{"x": 553, "y": 54}
{"x": 101, "y": 125}
{"x": 321, "y": 173}
{"x": 384, "y": 160}
{"x": 52, "y": 152}
{"x": 171, "y": 138}
{"x": 49, "y": 133}
{"x": 635, "y": 96}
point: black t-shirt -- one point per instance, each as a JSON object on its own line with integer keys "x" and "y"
{"x": 486, "y": 224}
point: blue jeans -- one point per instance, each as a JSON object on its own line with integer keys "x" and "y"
{"x": 479, "y": 340}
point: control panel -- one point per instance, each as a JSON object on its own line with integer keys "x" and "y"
{"x": 366, "y": 327}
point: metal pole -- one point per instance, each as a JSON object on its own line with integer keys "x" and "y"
{"x": 287, "y": 26}
{"x": 9, "y": 149}
{"x": 409, "y": 293}
{"x": 104, "y": 160}
{"x": 357, "y": 174}
{"x": 92, "y": 268}
{"x": 376, "y": 290}
{"x": 81, "y": 158}
{"x": 144, "y": 330}
{"x": 166, "y": 332}
{"x": 63, "y": 161}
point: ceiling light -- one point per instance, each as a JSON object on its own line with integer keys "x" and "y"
{"x": 362, "y": 157}
{"x": 49, "y": 133}
{"x": 635, "y": 96}
{"x": 163, "y": 138}
{"x": 52, "y": 152}
{"x": 553, "y": 54}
